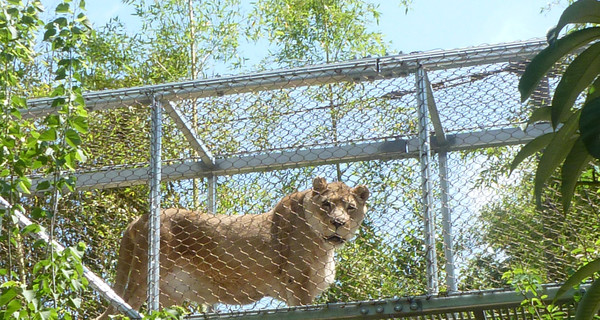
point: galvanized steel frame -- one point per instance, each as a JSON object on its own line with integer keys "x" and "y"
{"x": 358, "y": 70}
{"x": 209, "y": 166}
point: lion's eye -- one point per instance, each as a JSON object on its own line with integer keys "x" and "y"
{"x": 351, "y": 207}
{"x": 326, "y": 204}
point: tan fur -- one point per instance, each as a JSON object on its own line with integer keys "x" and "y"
{"x": 286, "y": 253}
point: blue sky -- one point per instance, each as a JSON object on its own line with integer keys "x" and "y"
{"x": 449, "y": 24}
{"x": 428, "y": 25}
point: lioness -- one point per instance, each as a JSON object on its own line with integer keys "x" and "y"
{"x": 286, "y": 253}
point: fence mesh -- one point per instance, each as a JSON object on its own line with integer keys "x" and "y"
{"x": 270, "y": 138}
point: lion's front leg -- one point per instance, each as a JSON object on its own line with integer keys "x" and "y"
{"x": 297, "y": 294}
{"x": 298, "y": 286}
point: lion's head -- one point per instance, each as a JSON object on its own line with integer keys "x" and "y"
{"x": 335, "y": 211}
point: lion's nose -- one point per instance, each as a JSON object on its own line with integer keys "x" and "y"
{"x": 338, "y": 222}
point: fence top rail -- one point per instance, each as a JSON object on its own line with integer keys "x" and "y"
{"x": 356, "y": 70}
{"x": 405, "y": 307}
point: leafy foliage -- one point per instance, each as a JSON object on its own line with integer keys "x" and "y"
{"x": 577, "y": 137}
{"x": 529, "y": 284}
{"x": 577, "y": 141}
{"x": 48, "y": 288}
{"x": 309, "y": 32}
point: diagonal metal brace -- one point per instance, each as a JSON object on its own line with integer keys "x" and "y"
{"x": 434, "y": 114}
{"x": 190, "y": 134}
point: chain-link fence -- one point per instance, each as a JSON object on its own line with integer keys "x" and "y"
{"x": 431, "y": 135}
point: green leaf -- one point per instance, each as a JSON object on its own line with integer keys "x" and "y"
{"x": 578, "y": 76}
{"x": 59, "y": 91}
{"x": 79, "y": 100}
{"x": 49, "y": 33}
{"x": 590, "y": 302}
{"x": 80, "y": 124}
{"x": 574, "y": 164}
{"x": 48, "y": 135}
{"x": 87, "y": 23}
{"x": 530, "y": 148}
{"x": 555, "y": 153}
{"x": 24, "y": 185}
{"x": 16, "y": 113}
{"x": 8, "y": 284}
{"x": 544, "y": 60}
{"x": 75, "y": 302}
{"x": 80, "y": 155}
{"x": 589, "y": 126}
{"x": 13, "y": 306}
{"x": 38, "y": 213}
{"x": 72, "y": 138}
{"x": 19, "y": 101}
{"x": 7, "y": 296}
{"x": 32, "y": 228}
{"x": 540, "y": 114}
{"x": 62, "y": 8}
{"x": 70, "y": 160}
{"x": 53, "y": 120}
{"x": 61, "y": 73}
{"x": 61, "y": 22}
{"x": 582, "y": 11}
{"x": 46, "y": 315}
{"x": 44, "y": 185}
{"x": 14, "y": 34}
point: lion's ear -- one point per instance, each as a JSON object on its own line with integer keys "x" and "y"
{"x": 319, "y": 184}
{"x": 362, "y": 192}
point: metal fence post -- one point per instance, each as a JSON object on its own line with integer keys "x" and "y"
{"x": 426, "y": 187}
{"x": 212, "y": 193}
{"x": 441, "y": 140}
{"x": 447, "y": 223}
{"x": 155, "y": 201}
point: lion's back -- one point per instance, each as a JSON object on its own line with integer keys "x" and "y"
{"x": 197, "y": 234}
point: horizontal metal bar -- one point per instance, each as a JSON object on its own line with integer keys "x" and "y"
{"x": 399, "y": 308}
{"x": 190, "y": 134}
{"x": 94, "y": 281}
{"x": 358, "y": 70}
{"x": 485, "y": 138}
{"x": 393, "y": 149}
{"x": 495, "y": 138}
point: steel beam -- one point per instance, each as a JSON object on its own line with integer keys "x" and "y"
{"x": 394, "y": 149}
{"x": 358, "y": 70}
{"x": 400, "y": 308}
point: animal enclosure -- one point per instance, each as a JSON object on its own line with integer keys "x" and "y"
{"x": 430, "y": 134}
